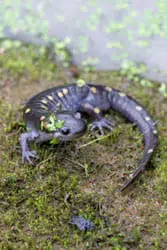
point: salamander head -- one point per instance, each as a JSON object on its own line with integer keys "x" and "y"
{"x": 64, "y": 126}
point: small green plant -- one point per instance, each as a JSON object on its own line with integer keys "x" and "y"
{"x": 51, "y": 123}
{"x": 132, "y": 71}
{"x": 80, "y": 82}
{"x": 36, "y": 64}
{"x": 163, "y": 89}
{"x": 54, "y": 141}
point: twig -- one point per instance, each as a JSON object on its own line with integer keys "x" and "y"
{"x": 95, "y": 140}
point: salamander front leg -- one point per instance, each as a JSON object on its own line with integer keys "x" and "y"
{"x": 99, "y": 121}
{"x": 24, "y": 139}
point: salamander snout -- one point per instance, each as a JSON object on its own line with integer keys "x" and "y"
{"x": 74, "y": 126}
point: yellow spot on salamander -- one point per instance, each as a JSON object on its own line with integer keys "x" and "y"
{"x": 44, "y": 101}
{"x": 94, "y": 90}
{"x": 108, "y": 89}
{"x": 122, "y": 94}
{"x": 50, "y": 97}
{"x": 150, "y": 151}
{"x": 44, "y": 107}
{"x": 147, "y": 118}
{"x": 58, "y": 104}
{"x": 65, "y": 91}
{"x": 97, "y": 110}
{"x": 42, "y": 118}
{"x": 60, "y": 94}
{"x": 27, "y": 110}
{"x": 138, "y": 108}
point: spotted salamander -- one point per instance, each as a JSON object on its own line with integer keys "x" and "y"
{"x": 67, "y": 103}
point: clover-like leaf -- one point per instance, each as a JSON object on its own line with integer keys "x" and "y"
{"x": 54, "y": 141}
{"x": 51, "y": 124}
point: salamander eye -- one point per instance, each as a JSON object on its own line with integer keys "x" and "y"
{"x": 65, "y": 130}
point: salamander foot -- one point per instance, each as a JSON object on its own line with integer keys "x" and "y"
{"x": 27, "y": 155}
{"x": 101, "y": 124}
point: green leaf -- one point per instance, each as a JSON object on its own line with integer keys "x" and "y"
{"x": 51, "y": 124}
{"x": 59, "y": 124}
{"x": 80, "y": 83}
{"x": 54, "y": 141}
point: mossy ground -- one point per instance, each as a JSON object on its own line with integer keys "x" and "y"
{"x": 37, "y": 202}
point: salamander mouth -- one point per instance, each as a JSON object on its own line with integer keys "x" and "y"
{"x": 80, "y": 133}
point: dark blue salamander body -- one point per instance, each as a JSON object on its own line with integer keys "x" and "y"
{"x": 67, "y": 102}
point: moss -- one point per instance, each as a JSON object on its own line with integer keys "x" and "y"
{"x": 35, "y": 65}
{"x": 83, "y": 177}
